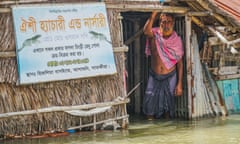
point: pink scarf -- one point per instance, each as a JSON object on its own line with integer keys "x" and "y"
{"x": 170, "y": 50}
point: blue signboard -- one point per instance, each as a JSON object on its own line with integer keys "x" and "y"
{"x": 61, "y": 42}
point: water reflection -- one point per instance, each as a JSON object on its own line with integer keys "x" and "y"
{"x": 209, "y": 131}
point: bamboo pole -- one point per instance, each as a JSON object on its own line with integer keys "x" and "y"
{"x": 63, "y": 108}
{"x": 222, "y": 38}
{"x": 197, "y": 22}
{"x": 7, "y": 54}
{"x": 194, "y": 83}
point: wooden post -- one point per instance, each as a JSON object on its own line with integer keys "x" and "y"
{"x": 94, "y": 122}
{"x": 80, "y": 123}
{"x": 124, "y": 121}
{"x": 189, "y": 67}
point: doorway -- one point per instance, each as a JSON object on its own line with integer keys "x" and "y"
{"x": 137, "y": 64}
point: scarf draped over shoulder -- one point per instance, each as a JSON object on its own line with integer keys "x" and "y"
{"x": 170, "y": 50}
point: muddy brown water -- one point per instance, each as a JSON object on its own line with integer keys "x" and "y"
{"x": 140, "y": 131}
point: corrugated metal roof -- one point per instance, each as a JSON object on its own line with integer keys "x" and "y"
{"x": 231, "y": 7}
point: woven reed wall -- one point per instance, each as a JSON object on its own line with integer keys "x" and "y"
{"x": 16, "y": 98}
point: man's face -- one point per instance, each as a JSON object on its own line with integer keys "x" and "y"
{"x": 166, "y": 25}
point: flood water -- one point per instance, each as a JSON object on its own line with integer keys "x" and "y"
{"x": 140, "y": 131}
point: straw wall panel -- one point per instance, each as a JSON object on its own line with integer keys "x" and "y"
{"x": 17, "y": 98}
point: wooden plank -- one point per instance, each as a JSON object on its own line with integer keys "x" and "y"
{"x": 7, "y": 54}
{"x": 189, "y": 68}
{"x": 120, "y": 49}
{"x": 228, "y": 70}
{"x": 197, "y": 22}
{"x": 12, "y": 2}
{"x": 194, "y": 13}
{"x": 125, "y": 7}
{"x": 13, "y": 53}
{"x": 147, "y": 8}
{"x": 5, "y": 10}
{"x": 225, "y": 77}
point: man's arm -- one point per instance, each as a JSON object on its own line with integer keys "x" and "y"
{"x": 148, "y": 26}
{"x": 179, "y": 87}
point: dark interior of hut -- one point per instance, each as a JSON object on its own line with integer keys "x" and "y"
{"x": 136, "y": 62}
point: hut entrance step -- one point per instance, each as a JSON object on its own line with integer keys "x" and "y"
{"x": 91, "y": 112}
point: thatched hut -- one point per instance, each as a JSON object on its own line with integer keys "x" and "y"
{"x": 41, "y": 108}
{"x": 35, "y": 109}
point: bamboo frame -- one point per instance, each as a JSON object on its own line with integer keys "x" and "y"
{"x": 62, "y": 108}
{"x": 99, "y": 122}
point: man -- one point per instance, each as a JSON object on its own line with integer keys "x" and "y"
{"x": 166, "y": 73}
